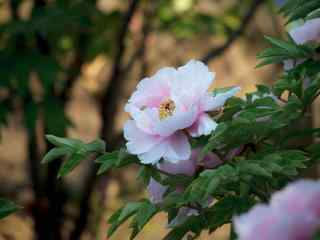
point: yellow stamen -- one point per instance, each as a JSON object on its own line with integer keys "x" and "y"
{"x": 166, "y": 109}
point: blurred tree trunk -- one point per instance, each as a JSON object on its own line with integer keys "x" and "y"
{"x": 108, "y": 108}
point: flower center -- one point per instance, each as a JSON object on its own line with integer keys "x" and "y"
{"x": 166, "y": 109}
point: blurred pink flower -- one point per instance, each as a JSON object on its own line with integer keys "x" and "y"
{"x": 302, "y": 196}
{"x": 163, "y": 106}
{"x": 308, "y": 32}
{"x": 293, "y": 214}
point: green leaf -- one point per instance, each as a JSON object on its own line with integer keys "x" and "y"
{"x": 225, "y": 209}
{"x": 98, "y": 146}
{"x": 283, "y": 50}
{"x": 194, "y": 224}
{"x": 314, "y": 151}
{"x": 297, "y": 9}
{"x": 209, "y": 182}
{"x": 304, "y": 10}
{"x": 107, "y": 161}
{"x": 124, "y": 158}
{"x": 316, "y": 236}
{"x": 64, "y": 142}
{"x": 291, "y": 161}
{"x": 56, "y": 153}
{"x": 219, "y": 91}
{"x": 147, "y": 172}
{"x": 252, "y": 168}
{"x": 177, "y": 180}
{"x": 145, "y": 212}
{"x": 122, "y": 215}
{"x": 314, "y": 14}
{"x": 7, "y": 208}
{"x": 72, "y": 162}
{"x": 286, "y": 163}
{"x": 116, "y": 159}
{"x": 172, "y": 200}
{"x": 288, "y": 46}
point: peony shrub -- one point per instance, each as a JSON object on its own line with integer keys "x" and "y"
{"x": 208, "y": 157}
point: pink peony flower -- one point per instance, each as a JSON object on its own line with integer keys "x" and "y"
{"x": 293, "y": 214}
{"x": 168, "y": 105}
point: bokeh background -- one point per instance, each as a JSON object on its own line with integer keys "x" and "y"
{"x": 67, "y": 68}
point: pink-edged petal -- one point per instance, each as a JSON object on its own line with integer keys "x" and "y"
{"x": 156, "y": 191}
{"x": 193, "y": 80}
{"x": 151, "y": 91}
{"x": 179, "y": 148}
{"x": 179, "y": 120}
{"x": 211, "y": 160}
{"x": 154, "y": 155}
{"x": 210, "y": 103}
{"x": 186, "y": 167}
{"x": 308, "y": 32}
{"x": 292, "y": 200}
{"x": 203, "y": 126}
{"x": 138, "y": 141}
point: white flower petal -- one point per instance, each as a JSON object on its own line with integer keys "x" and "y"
{"x": 151, "y": 91}
{"x": 193, "y": 80}
{"x": 154, "y": 155}
{"x": 203, "y": 126}
{"x": 138, "y": 141}
{"x": 179, "y": 120}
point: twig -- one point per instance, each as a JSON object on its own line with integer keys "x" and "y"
{"x": 111, "y": 97}
{"x": 216, "y": 52}
{"x": 51, "y": 223}
{"x": 149, "y": 14}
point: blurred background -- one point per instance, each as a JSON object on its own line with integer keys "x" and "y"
{"x": 67, "y": 67}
